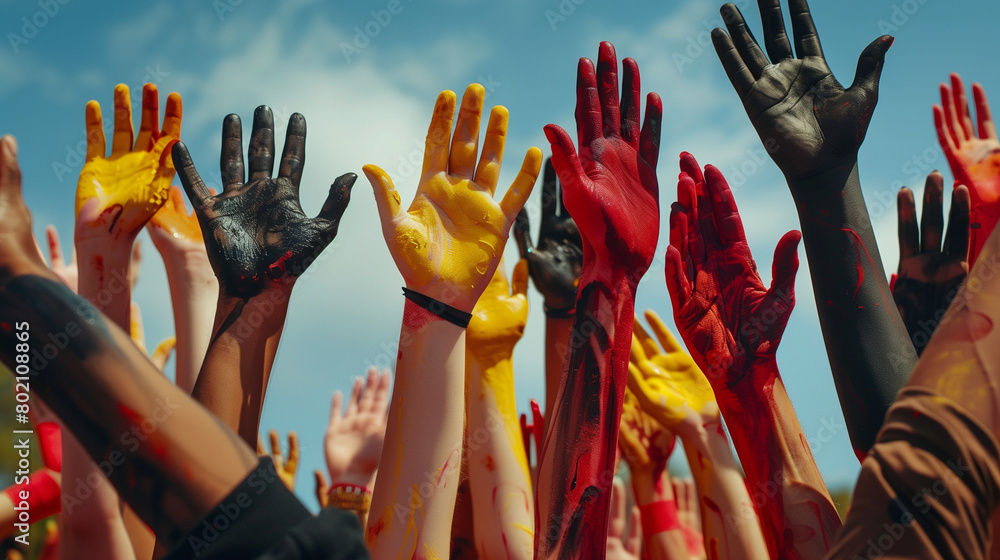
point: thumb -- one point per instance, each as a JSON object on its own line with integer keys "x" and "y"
{"x": 386, "y": 197}
{"x": 337, "y": 200}
{"x": 870, "y": 65}
{"x": 785, "y": 266}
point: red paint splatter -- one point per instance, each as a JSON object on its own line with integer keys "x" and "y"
{"x": 979, "y": 325}
{"x": 278, "y": 267}
{"x": 488, "y": 463}
{"x": 375, "y": 529}
{"x": 416, "y": 317}
{"x": 859, "y": 248}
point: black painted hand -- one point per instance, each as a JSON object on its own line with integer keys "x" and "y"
{"x": 929, "y": 277}
{"x": 256, "y": 233}
{"x": 556, "y": 263}
{"x": 806, "y": 119}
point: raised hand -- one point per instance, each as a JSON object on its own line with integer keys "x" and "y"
{"x": 117, "y": 195}
{"x": 622, "y": 546}
{"x": 255, "y": 231}
{"x": 974, "y": 160}
{"x": 285, "y": 467}
{"x": 610, "y": 186}
{"x": 666, "y": 382}
{"x": 929, "y": 276}
{"x": 610, "y": 189}
{"x": 67, "y": 272}
{"x": 556, "y": 262}
{"x": 728, "y": 318}
{"x": 447, "y": 246}
{"x": 645, "y": 444}
{"x": 194, "y": 289}
{"x": 448, "y": 242}
{"x": 498, "y": 472}
{"x": 173, "y": 225}
{"x": 732, "y": 325}
{"x": 499, "y": 317}
{"x": 813, "y": 129}
{"x": 353, "y": 439}
{"x": 807, "y": 120}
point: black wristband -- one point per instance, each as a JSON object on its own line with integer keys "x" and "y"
{"x": 567, "y": 313}
{"x": 442, "y": 310}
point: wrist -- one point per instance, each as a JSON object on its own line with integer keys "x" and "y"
{"x": 646, "y": 484}
{"x": 351, "y": 478}
{"x": 823, "y": 184}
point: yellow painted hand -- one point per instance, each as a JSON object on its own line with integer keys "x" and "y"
{"x": 499, "y": 316}
{"x": 117, "y": 195}
{"x": 667, "y": 383}
{"x": 162, "y": 352}
{"x": 450, "y": 240}
{"x": 172, "y": 221}
{"x": 645, "y": 443}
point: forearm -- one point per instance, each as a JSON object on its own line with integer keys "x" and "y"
{"x": 576, "y": 469}
{"x": 499, "y": 479}
{"x": 867, "y": 344}
{"x": 663, "y": 538}
{"x": 97, "y": 523}
{"x": 795, "y": 508}
{"x": 233, "y": 378}
{"x": 142, "y": 430}
{"x": 557, "y": 333}
{"x": 194, "y": 293}
{"x": 413, "y": 502}
{"x": 729, "y": 522}
{"x": 104, "y": 278}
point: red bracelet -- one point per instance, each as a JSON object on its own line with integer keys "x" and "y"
{"x": 40, "y": 499}
{"x": 50, "y": 441}
{"x": 658, "y": 517}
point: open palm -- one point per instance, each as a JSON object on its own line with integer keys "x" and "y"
{"x": 806, "y": 119}
{"x": 448, "y": 242}
{"x": 255, "y": 230}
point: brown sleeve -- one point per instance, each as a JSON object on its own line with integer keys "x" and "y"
{"x": 928, "y": 487}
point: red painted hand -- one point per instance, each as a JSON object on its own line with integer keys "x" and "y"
{"x": 728, "y": 319}
{"x": 610, "y": 188}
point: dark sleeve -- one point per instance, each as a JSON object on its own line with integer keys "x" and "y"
{"x": 332, "y": 535}
{"x": 928, "y": 487}
{"x": 251, "y": 520}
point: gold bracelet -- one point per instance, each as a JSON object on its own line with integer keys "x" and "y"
{"x": 350, "y": 497}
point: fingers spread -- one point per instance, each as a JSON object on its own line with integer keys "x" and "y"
{"x": 149, "y": 126}
{"x": 515, "y": 197}
{"x": 607, "y": 90}
{"x": 95, "y": 131}
{"x": 909, "y": 235}
{"x": 261, "y": 152}
{"x": 293, "y": 157}
{"x": 488, "y": 171}
{"x": 231, "y": 161}
{"x": 439, "y": 134}
{"x": 465, "y": 143}
{"x": 932, "y": 214}
{"x": 122, "y": 138}
{"x": 956, "y": 239}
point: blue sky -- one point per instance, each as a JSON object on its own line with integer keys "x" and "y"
{"x": 372, "y": 104}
